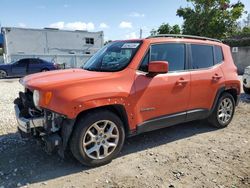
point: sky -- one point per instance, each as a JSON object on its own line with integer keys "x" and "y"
{"x": 119, "y": 19}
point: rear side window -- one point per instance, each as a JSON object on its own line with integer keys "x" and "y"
{"x": 202, "y": 56}
{"x": 174, "y": 54}
{"x": 218, "y": 54}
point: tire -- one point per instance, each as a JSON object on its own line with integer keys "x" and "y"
{"x": 44, "y": 70}
{"x": 96, "y": 141}
{"x": 223, "y": 112}
{"x": 246, "y": 90}
{"x": 3, "y": 74}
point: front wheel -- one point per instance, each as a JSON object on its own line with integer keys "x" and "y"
{"x": 98, "y": 138}
{"x": 223, "y": 112}
{"x": 3, "y": 74}
{"x": 44, "y": 70}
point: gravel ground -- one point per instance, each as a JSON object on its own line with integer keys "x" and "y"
{"x": 187, "y": 155}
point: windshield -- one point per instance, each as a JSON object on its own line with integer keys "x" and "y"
{"x": 113, "y": 57}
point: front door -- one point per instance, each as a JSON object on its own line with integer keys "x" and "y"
{"x": 164, "y": 95}
{"x": 20, "y": 67}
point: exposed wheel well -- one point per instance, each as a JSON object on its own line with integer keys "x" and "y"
{"x": 44, "y": 69}
{"x": 117, "y": 109}
{"x": 220, "y": 92}
{"x": 233, "y": 92}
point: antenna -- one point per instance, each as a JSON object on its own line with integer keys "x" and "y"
{"x": 140, "y": 33}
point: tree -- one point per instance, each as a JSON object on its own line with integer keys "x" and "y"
{"x": 211, "y": 18}
{"x": 165, "y": 28}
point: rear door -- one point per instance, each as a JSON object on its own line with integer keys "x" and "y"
{"x": 206, "y": 76}
{"x": 20, "y": 67}
{"x": 35, "y": 65}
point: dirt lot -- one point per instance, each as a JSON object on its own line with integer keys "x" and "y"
{"x": 186, "y": 155}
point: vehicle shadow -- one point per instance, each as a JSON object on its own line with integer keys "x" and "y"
{"x": 24, "y": 162}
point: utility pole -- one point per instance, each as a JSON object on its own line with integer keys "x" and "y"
{"x": 140, "y": 33}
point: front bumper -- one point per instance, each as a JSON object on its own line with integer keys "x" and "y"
{"x": 246, "y": 80}
{"x": 27, "y": 125}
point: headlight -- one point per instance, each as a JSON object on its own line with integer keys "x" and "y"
{"x": 36, "y": 98}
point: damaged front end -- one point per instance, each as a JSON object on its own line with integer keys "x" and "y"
{"x": 51, "y": 128}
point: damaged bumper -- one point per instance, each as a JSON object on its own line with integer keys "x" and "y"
{"x": 26, "y": 125}
{"x": 52, "y": 129}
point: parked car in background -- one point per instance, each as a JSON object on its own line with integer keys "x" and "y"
{"x": 26, "y": 66}
{"x": 128, "y": 88}
{"x": 246, "y": 80}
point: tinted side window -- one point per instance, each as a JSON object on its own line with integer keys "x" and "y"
{"x": 21, "y": 63}
{"x": 218, "y": 54}
{"x": 174, "y": 54}
{"x": 202, "y": 56}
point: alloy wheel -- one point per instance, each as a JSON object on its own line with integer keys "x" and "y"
{"x": 225, "y": 111}
{"x": 2, "y": 74}
{"x": 101, "y": 139}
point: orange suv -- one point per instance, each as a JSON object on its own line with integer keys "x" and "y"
{"x": 127, "y": 88}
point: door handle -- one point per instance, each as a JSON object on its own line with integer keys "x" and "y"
{"x": 181, "y": 82}
{"x": 216, "y": 77}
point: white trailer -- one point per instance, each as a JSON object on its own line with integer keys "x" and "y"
{"x": 72, "y": 48}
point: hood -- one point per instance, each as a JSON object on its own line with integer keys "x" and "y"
{"x": 57, "y": 78}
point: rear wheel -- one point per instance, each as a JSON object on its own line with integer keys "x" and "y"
{"x": 3, "y": 74}
{"x": 223, "y": 112}
{"x": 44, "y": 70}
{"x": 246, "y": 90}
{"x": 97, "y": 138}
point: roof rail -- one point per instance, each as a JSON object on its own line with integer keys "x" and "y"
{"x": 184, "y": 36}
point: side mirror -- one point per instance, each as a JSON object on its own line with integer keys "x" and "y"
{"x": 157, "y": 67}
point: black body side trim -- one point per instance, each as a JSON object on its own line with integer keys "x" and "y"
{"x": 173, "y": 119}
{"x": 219, "y": 92}
{"x": 197, "y": 114}
{"x": 161, "y": 122}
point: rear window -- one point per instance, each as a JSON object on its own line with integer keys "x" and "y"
{"x": 202, "y": 56}
{"x": 218, "y": 54}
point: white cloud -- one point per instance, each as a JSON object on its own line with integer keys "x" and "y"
{"x": 136, "y": 14}
{"x": 22, "y": 25}
{"x": 73, "y": 25}
{"x": 125, "y": 25}
{"x": 131, "y": 36}
{"x": 103, "y": 26}
{"x": 59, "y": 25}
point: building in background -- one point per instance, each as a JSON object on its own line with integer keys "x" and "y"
{"x": 72, "y": 48}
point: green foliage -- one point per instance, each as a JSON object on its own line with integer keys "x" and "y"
{"x": 246, "y": 30}
{"x": 239, "y": 38}
{"x": 233, "y": 42}
{"x": 165, "y": 28}
{"x": 1, "y": 51}
{"x": 211, "y": 18}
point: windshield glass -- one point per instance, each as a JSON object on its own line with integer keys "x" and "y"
{"x": 113, "y": 57}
